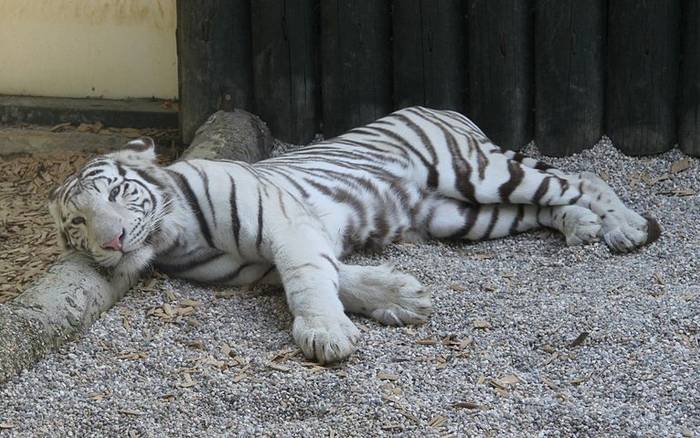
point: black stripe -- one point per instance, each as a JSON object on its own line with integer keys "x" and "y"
{"x": 518, "y": 218}
{"x": 470, "y": 219}
{"x": 235, "y": 220}
{"x": 149, "y": 178}
{"x": 541, "y": 190}
{"x": 178, "y": 268}
{"x": 330, "y": 260}
{"x": 205, "y": 183}
{"x": 191, "y": 199}
{"x": 494, "y": 218}
{"x": 516, "y": 176}
{"x": 258, "y": 240}
{"x": 231, "y": 276}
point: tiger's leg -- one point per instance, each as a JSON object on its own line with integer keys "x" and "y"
{"x": 623, "y": 229}
{"x": 383, "y": 293}
{"x": 379, "y": 292}
{"x": 451, "y": 219}
{"x": 507, "y": 181}
{"x": 309, "y": 273}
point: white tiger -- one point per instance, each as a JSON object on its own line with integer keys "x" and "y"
{"x": 292, "y": 218}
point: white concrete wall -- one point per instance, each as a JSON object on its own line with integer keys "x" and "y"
{"x": 88, "y": 48}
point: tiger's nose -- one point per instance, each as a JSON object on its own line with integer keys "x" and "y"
{"x": 116, "y": 243}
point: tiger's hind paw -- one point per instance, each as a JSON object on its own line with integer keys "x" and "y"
{"x": 581, "y": 226}
{"x": 406, "y": 301}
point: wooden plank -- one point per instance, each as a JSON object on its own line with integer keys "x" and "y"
{"x": 643, "y": 63}
{"x": 689, "y": 111}
{"x": 214, "y": 59}
{"x": 499, "y": 68}
{"x": 569, "y": 75}
{"x": 285, "y": 69}
{"x": 428, "y": 54}
{"x": 356, "y": 63}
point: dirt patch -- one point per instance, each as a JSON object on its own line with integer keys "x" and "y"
{"x": 26, "y": 228}
{"x": 27, "y": 238}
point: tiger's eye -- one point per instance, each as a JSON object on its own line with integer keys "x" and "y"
{"x": 78, "y": 220}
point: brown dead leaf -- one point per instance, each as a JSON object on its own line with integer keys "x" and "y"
{"x": 437, "y": 421}
{"x": 187, "y": 382}
{"x": 466, "y": 405}
{"x": 190, "y": 303}
{"x": 278, "y": 367}
{"x": 130, "y": 412}
{"x": 60, "y": 127}
{"x": 681, "y": 165}
{"x": 132, "y": 355}
{"x": 579, "y": 340}
{"x": 548, "y": 349}
{"x": 457, "y": 287}
{"x": 481, "y": 324}
{"x": 381, "y": 375}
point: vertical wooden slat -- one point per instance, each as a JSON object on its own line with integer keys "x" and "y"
{"x": 499, "y": 68}
{"x": 643, "y": 59}
{"x": 356, "y": 63}
{"x": 285, "y": 73}
{"x": 689, "y": 110}
{"x": 569, "y": 63}
{"x": 214, "y": 59}
{"x": 428, "y": 53}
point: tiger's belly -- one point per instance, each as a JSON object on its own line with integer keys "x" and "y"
{"x": 209, "y": 265}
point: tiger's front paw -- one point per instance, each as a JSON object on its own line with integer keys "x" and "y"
{"x": 326, "y": 339}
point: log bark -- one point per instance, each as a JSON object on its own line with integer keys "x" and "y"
{"x": 74, "y": 292}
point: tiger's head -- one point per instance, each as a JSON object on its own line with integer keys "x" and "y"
{"x": 112, "y": 205}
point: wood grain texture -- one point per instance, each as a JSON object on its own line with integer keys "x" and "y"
{"x": 214, "y": 60}
{"x": 500, "y": 69}
{"x": 286, "y": 67}
{"x": 428, "y": 53}
{"x": 569, "y": 75}
{"x": 356, "y": 63}
{"x": 643, "y": 66}
{"x": 689, "y": 92}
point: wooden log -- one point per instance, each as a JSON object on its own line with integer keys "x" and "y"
{"x": 499, "y": 68}
{"x": 428, "y": 54}
{"x": 569, "y": 75}
{"x": 73, "y": 293}
{"x": 285, "y": 69}
{"x": 214, "y": 60}
{"x": 689, "y": 96}
{"x": 356, "y": 63}
{"x": 643, "y": 63}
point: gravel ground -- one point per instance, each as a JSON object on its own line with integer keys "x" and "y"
{"x": 528, "y": 337}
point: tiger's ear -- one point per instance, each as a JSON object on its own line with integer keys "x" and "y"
{"x": 138, "y": 151}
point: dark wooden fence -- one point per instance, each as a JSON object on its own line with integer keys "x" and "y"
{"x": 563, "y": 72}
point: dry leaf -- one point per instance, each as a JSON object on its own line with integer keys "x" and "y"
{"x": 457, "y": 287}
{"x": 481, "y": 324}
{"x": 129, "y": 412}
{"x": 438, "y": 421}
{"x": 278, "y": 367}
{"x": 579, "y": 340}
{"x": 133, "y": 355}
{"x": 381, "y": 375}
{"x": 466, "y": 405}
{"x": 681, "y": 165}
{"x": 548, "y": 349}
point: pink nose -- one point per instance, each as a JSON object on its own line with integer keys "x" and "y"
{"x": 116, "y": 243}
